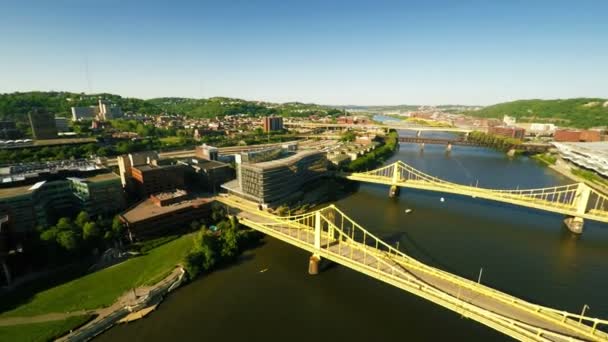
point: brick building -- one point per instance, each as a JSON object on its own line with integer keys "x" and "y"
{"x": 508, "y": 131}
{"x": 567, "y": 135}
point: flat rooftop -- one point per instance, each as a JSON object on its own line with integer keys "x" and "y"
{"x": 287, "y": 161}
{"x": 148, "y": 209}
{"x": 28, "y": 188}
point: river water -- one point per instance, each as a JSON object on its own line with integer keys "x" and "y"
{"x": 524, "y": 252}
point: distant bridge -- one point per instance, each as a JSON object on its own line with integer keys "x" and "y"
{"x": 393, "y": 125}
{"x": 577, "y": 201}
{"x": 329, "y": 233}
{"x": 529, "y": 147}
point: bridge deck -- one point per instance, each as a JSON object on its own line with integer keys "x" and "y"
{"x": 485, "y": 305}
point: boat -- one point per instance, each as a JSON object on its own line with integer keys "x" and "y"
{"x": 264, "y": 270}
{"x": 407, "y": 211}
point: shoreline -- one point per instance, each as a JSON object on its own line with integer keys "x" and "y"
{"x": 128, "y": 307}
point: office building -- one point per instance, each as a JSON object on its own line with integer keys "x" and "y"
{"x": 271, "y": 182}
{"x": 151, "y": 179}
{"x": 164, "y": 213}
{"x": 127, "y": 161}
{"x": 84, "y": 113}
{"x": 43, "y": 124}
{"x": 207, "y": 152}
{"x": 103, "y": 111}
{"x": 8, "y": 130}
{"x": 38, "y": 194}
{"x": 206, "y": 175}
{"x": 273, "y": 123}
{"x": 62, "y": 124}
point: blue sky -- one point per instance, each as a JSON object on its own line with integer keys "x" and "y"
{"x": 330, "y": 52}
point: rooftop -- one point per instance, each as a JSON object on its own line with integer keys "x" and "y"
{"x": 283, "y": 161}
{"x": 148, "y": 209}
{"x": 29, "y": 188}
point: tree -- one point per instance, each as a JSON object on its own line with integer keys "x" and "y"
{"x": 347, "y": 136}
{"x": 228, "y": 239}
{"x": 68, "y": 240}
{"x": 49, "y": 234}
{"x": 64, "y": 224}
{"x": 118, "y": 226}
{"x": 90, "y": 230}
{"x": 82, "y": 219}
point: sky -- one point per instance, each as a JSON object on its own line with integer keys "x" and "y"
{"x": 380, "y": 52}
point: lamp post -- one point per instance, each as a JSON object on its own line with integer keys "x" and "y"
{"x": 580, "y": 319}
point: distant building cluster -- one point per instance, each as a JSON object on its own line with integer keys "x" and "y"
{"x": 103, "y": 111}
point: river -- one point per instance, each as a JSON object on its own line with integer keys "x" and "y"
{"x": 524, "y": 252}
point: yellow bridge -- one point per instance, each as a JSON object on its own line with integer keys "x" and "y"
{"x": 328, "y": 233}
{"x": 577, "y": 201}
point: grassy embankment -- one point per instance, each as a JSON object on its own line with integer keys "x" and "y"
{"x": 46, "y": 331}
{"x": 547, "y": 159}
{"x": 590, "y": 176}
{"x": 102, "y": 288}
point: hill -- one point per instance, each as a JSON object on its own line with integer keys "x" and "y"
{"x": 15, "y": 106}
{"x": 579, "y": 112}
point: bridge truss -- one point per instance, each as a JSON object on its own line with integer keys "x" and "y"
{"x": 329, "y": 233}
{"x": 576, "y": 200}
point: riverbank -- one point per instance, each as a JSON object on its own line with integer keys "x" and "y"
{"x": 129, "y": 307}
{"x": 90, "y": 294}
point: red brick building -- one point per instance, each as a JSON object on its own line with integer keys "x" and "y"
{"x": 151, "y": 179}
{"x": 566, "y": 135}
{"x": 508, "y": 131}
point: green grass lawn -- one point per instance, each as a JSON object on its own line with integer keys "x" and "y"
{"x": 102, "y": 288}
{"x": 174, "y": 140}
{"x": 37, "y": 332}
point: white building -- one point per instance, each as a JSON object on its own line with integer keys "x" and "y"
{"x": 542, "y": 128}
{"x": 509, "y": 120}
{"x": 590, "y": 155}
{"x": 102, "y": 112}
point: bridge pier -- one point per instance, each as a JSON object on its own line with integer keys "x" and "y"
{"x": 313, "y": 264}
{"x": 394, "y": 191}
{"x": 575, "y": 224}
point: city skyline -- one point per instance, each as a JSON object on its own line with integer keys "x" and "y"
{"x": 338, "y": 53}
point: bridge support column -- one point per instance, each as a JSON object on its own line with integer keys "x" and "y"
{"x": 394, "y": 191}
{"x": 396, "y": 178}
{"x": 581, "y": 199}
{"x": 313, "y": 264}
